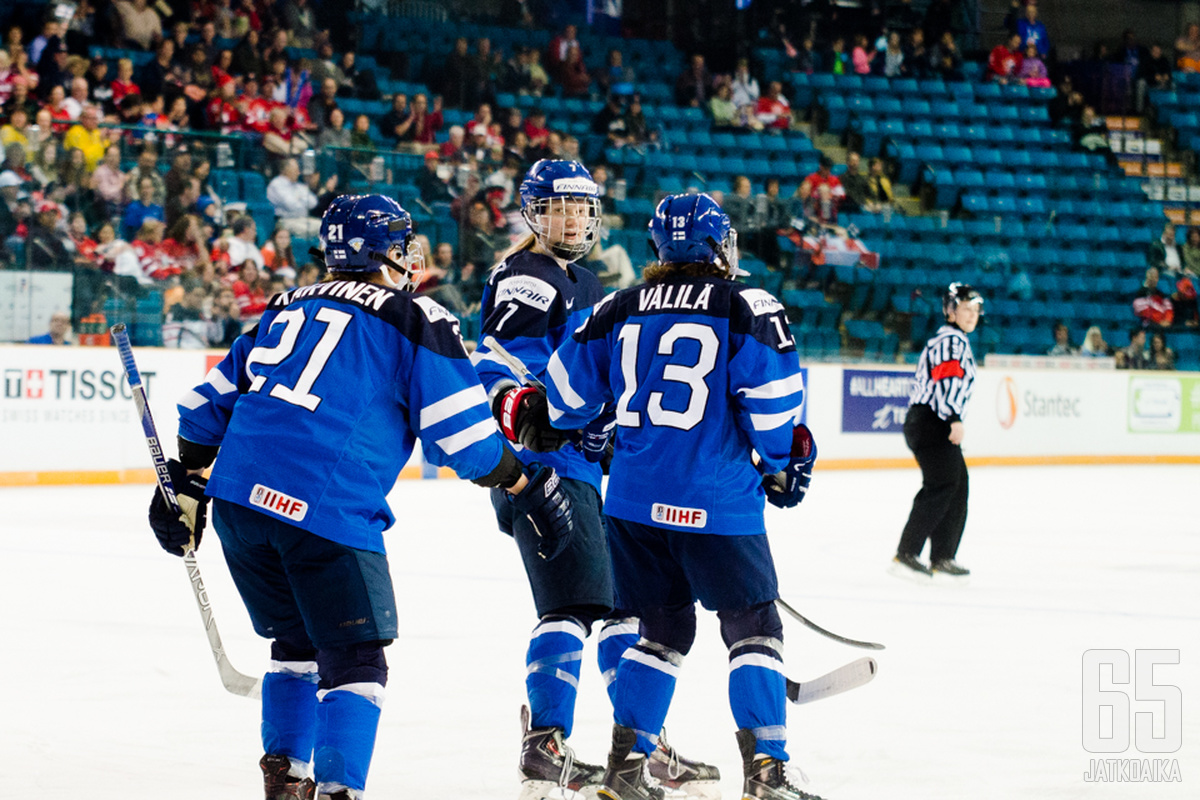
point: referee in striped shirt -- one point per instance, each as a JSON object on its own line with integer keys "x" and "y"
{"x": 933, "y": 430}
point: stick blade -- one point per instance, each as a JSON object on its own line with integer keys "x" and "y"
{"x": 843, "y": 679}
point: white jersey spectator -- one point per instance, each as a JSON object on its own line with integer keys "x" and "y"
{"x": 293, "y": 200}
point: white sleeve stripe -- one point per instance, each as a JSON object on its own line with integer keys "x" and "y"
{"x": 775, "y": 389}
{"x": 756, "y": 660}
{"x": 469, "y": 436}
{"x": 769, "y": 422}
{"x": 192, "y": 400}
{"x": 454, "y": 404}
{"x": 216, "y": 379}
{"x": 558, "y": 375}
{"x": 653, "y": 662}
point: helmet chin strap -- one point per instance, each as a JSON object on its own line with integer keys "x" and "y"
{"x": 386, "y": 261}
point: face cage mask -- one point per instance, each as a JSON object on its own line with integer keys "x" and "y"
{"x": 540, "y": 213}
{"x": 410, "y": 265}
{"x": 727, "y": 252}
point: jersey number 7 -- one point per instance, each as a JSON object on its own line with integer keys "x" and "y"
{"x": 293, "y": 320}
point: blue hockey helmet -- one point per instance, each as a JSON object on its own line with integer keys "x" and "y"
{"x": 561, "y": 204}
{"x": 692, "y": 228}
{"x": 361, "y": 233}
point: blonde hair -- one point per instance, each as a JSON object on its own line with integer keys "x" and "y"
{"x": 527, "y": 243}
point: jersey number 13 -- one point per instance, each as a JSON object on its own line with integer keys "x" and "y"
{"x": 690, "y": 376}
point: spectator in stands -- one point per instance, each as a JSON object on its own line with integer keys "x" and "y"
{"x": 25, "y": 71}
{"x": 280, "y": 138}
{"x": 945, "y": 60}
{"x": 1187, "y": 49}
{"x": 1164, "y": 254}
{"x": 143, "y": 208}
{"x": 456, "y": 74}
{"x": 773, "y": 109}
{"x": 99, "y": 87}
{"x": 1004, "y": 63}
{"x": 335, "y": 133}
{"x": 1091, "y": 135}
{"x": 242, "y": 245}
{"x": 505, "y": 179}
{"x": 294, "y": 200}
{"x": 52, "y": 69}
{"x": 481, "y": 248}
{"x": 722, "y": 109}
{"x": 860, "y": 57}
{"x": 693, "y": 85}
{"x": 1062, "y": 341}
{"x": 893, "y": 57}
{"x": 1151, "y": 304}
{"x": 433, "y": 186}
{"x": 60, "y": 330}
{"x": 14, "y": 131}
{"x": 425, "y": 123}
{"x": 154, "y": 265}
{"x": 1032, "y": 29}
{"x": 1154, "y": 72}
{"x": 1191, "y": 251}
{"x": 855, "y": 183}
{"x": 557, "y": 52}
{"x": 439, "y": 277}
{"x": 454, "y": 149}
{"x": 83, "y": 245}
{"x": 226, "y": 324}
{"x": 246, "y": 58}
{"x": 822, "y": 177}
{"x": 51, "y": 29}
{"x": 250, "y": 291}
{"x": 160, "y": 73}
{"x": 182, "y": 203}
{"x": 77, "y": 97}
{"x": 140, "y": 23}
{"x": 1033, "y": 72}
{"x": 744, "y": 85}
{"x": 638, "y": 131}
{"x": 323, "y": 103}
{"x": 610, "y": 121}
{"x": 45, "y": 245}
{"x": 186, "y": 326}
{"x": 1134, "y": 355}
{"x": 297, "y": 17}
{"x": 536, "y": 77}
{"x": 20, "y": 99}
{"x": 1160, "y": 356}
{"x": 185, "y": 245}
{"x": 1187, "y": 287}
{"x": 277, "y": 253}
{"x": 535, "y": 128}
{"x": 146, "y": 167}
{"x": 739, "y": 205}
{"x": 1094, "y": 345}
{"x": 576, "y": 81}
{"x": 615, "y": 77}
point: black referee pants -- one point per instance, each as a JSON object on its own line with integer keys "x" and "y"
{"x": 939, "y": 511}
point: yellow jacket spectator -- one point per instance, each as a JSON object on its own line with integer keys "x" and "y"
{"x": 87, "y": 137}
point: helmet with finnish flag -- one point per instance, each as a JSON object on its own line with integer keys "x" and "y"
{"x": 692, "y": 229}
{"x": 362, "y": 233}
{"x": 561, "y": 204}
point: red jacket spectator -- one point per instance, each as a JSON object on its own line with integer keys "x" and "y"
{"x": 1005, "y": 61}
{"x": 773, "y": 109}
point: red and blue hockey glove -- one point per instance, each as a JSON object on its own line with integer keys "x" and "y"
{"x": 548, "y": 509}
{"x": 524, "y": 416}
{"x": 788, "y": 487}
{"x": 177, "y": 533}
{"x": 595, "y": 436}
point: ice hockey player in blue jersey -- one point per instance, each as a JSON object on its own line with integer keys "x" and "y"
{"x": 702, "y": 372}
{"x": 310, "y": 418}
{"x": 532, "y": 301}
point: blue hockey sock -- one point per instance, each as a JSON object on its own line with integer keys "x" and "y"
{"x": 617, "y": 636}
{"x": 289, "y": 712}
{"x": 346, "y": 726}
{"x": 758, "y": 693}
{"x": 552, "y": 672}
{"x": 644, "y": 687}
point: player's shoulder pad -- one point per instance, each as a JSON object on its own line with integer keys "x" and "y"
{"x": 524, "y": 278}
{"x": 601, "y": 321}
{"x": 760, "y": 315}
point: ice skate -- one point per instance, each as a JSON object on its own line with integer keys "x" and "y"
{"x": 340, "y": 794}
{"x": 910, "y": 568}
{"x": 766, "y": 778}
{"x": 695, "y": 778}
{"x": 947, "y": 570}
{"x": 548, "y": 769}
{"x": 285, "y": 779}
{"x": 628, "y": 775}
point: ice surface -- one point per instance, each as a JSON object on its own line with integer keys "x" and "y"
{"x": 110, "y": 691}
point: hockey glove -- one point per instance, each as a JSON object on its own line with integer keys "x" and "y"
{"x": 548, "y": 509}
{"x": 788, "y": 487}
{"x": 524, "y": 417}
{"x": 178, "y": 533}
{"x": 596, "y": 436}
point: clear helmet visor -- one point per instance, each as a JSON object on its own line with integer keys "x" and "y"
{"x": 569, "y": 227}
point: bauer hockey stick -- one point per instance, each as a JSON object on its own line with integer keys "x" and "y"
{"x": 234, "y": 681}
{"x": 512, "y": 362}
{"x": 843, "y": 679}
{"x": 829, "y": 634}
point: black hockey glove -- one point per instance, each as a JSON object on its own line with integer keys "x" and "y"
{"x": 179, "y": 533}
{"x": 524, "y": 417}
{"x": 788, "y": 487}
{"x": 595, "y": 436}
{"x": 548, "y": 509}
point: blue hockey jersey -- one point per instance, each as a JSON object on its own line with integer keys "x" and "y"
{"x": 702, "y": 371}
{"x": 318, "y": 408}
{"x": 531, "y": 305}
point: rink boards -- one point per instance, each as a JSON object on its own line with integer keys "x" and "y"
{"x": 66, "y": 416}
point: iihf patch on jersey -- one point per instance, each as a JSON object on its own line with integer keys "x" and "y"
{"x": 525, "y": 289}
{"x": 760, "y": 301}
{"x": 675, "y": 515}
{"x": 278, "y": 503}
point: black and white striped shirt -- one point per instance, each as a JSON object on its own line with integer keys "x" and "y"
{"x": 945, "y": 374}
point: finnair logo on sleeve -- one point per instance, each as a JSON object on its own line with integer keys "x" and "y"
{"x": 277, "y": 502}
{"x": 675, "y": 515}
{"x": 575, "y": 186}
{"x": 761, "y": 302}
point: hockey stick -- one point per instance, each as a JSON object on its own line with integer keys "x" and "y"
{"x": 843, "y": 679}
{"x": 512, "y": 362}
{"x": 233, "y": 680}
{"x": 830, "y": 634}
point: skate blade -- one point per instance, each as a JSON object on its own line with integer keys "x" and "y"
{"x": 905, "y": 574}
{"x": 944, "y": 579}
{"x": 548, "y": 790}
{"x": 699, "y": 790}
